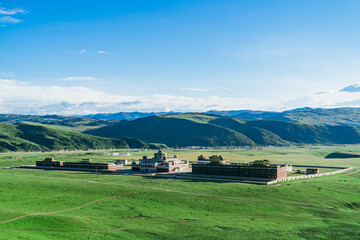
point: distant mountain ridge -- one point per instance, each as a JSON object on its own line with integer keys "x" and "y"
{"x": 194, "y": 129}
{"x": 76, "y": 123}
{"x": 122, "y": 115}
{"x": 317, "y": 116}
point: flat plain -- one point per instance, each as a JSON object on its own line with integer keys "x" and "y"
{"x": 38, "y": 204}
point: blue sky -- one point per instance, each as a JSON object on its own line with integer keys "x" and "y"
{"x": 78, "y": 57}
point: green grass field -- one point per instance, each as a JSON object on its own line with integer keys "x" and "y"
{"x": 36, "y": 204}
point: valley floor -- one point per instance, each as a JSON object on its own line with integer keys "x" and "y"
{"x": 78, "y": 205}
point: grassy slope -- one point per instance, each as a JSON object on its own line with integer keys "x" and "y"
{"x": 154, "y": 214}
{"x": 337, "y": 116}
{"x": 175, "y": 131}
{"x": 259, "y": 135}
{"x": 333, "y": 116}
{"x": 9, "y": 140}
{"x": 27, "y": 136}
{"x": 304, "y": 133}
{"x": 211, "y": 130}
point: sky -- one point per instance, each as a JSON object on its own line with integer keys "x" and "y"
{"x": 83, "y": 57}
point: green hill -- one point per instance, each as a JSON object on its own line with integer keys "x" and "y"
{"x": 35, "y": 137}
{"x": 194, "y": 129}
{"x": 175, "y": 132}
{"x": 75, "y": 123}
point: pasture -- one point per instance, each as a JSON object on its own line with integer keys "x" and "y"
{"x": 37, "y": 204}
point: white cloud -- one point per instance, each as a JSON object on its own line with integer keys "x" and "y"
{"x": 11, "y": 90}
{"x": 25, "y": 98}
{"x": 9, "y": 13}
{"x": 21, "y": 97}
{"x": 14, "y": 11}
{"x": 326, "y": 99}
{"x": 8, "y": 19}
{"x": 79, "y": 79}
{"x": 101, "y": 52}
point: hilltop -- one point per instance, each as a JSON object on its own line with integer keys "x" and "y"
{"x": 36, "y": 137}
{"x": 194, "y": 129}
{"x": 318, "y": 116}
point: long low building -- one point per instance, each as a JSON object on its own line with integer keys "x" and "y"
{"x": 257, "y": 169}
{"x": 84, "y": 165}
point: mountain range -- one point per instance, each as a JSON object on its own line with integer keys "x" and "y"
{"x": 150, "y": 130}
{"x": 196, "y": 129}
{"x": 318, "y": 116}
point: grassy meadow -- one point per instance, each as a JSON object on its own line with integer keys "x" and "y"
{"x": 37, "y": 204}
